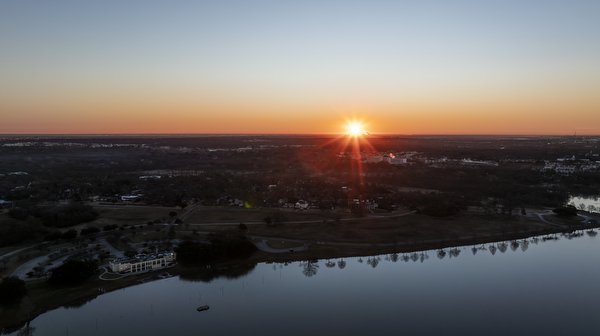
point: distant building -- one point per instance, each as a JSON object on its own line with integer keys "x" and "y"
{"x": 130, "y": 198}
{"x": 302, "y": 205}
{"x": 141, "y": 263}
{"x": 18, "y": 173}
{"x": 150, "y": 177}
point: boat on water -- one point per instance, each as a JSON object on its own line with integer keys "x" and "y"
{"x": 202, "y": 308}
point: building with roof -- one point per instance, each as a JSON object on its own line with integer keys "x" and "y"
{"x": 143, "y": 262}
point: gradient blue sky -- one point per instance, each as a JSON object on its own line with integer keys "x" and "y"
{"x": 299, "y": 66}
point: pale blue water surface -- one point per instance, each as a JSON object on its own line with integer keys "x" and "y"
{"x": 534, "y": 287}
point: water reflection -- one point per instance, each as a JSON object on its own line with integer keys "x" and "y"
{"x": 373, "y": 261}
{"x": 210, "y": 273}
{"x": 26, "y": 331}
{"x": 266, "y": 295}
{"x": 585, "y": 203}
{"x": 311, "y": 267}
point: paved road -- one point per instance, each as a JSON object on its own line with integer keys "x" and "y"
{"x": 11, "y": 253}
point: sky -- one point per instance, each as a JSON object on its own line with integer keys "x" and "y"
{"x": 253, "y": 66}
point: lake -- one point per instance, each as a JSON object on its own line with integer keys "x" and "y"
{"x": 536, "y": 286}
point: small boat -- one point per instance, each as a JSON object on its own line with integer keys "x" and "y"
{"x": 202, "y": 308}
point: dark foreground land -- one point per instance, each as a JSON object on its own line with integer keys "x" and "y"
{"x": 400, "y": 232}
{"x": 291, "y": 197}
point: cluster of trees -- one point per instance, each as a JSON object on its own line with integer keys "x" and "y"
{"x": 566, "y": 211}
{"x": 73, "y": 272}
{"x": 220, "y": 247}
{"x": 12, "y": 289}
{"x": 313, "y": 172}
{"x": 89, "y": 231}
{"x": 17, "y": 232}
{"x": 56, "y": 235}
{"x": 58, "y": 216}
{"x": 68, "y": 215}
{"x": 433, "y": 204}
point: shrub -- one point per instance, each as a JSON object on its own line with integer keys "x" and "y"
{"x": 72, "y": 272}
{"x": 68, "y": 215}
{"x": 221, "y": 246}
{"x": 12, "y": 289}
{"x": 89, "y": 231}
{"x": 566, "y": 211}
{"x": 70, "y": 234}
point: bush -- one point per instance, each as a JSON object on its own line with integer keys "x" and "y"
{"x": 17, "y": 232}
{"x": 72, "y": 272}
{"x": 89, "y": 231}
{"x": 69, "y": 235}
{"x": 68, "y": 215}
{"x": 53, "y": 236}
{"x": 221, "y": 246}
{"x": 12, "y": 289}
{"x": 566, "y": 211}
{"x": 18, "y": 213}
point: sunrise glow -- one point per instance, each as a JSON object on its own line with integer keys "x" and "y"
{"x": 285, "y": 68}
{"x": 355, "y": 129}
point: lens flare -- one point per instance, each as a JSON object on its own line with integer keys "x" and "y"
{"x": 355, "y": 129}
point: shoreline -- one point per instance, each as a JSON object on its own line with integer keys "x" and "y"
{"x": 42, "y": 298}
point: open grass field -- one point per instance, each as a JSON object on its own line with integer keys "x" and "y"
{"x": 129, "y": 215}
{"x": 410, "y": 228}
{"x": 241, "y": 215}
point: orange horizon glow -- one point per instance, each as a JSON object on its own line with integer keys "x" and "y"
{"x": 356, "y": 129}
{"x": 286, "y": 68}
{"x": 169, "y": 113}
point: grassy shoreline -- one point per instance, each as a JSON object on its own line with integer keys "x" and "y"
{"x": 42, "y": 297}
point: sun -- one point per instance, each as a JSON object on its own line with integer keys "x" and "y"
{"x": 355, "y": 129}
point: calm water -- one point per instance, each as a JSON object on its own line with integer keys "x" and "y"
{"x": 549, "y": 287}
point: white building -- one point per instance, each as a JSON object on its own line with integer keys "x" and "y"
{"x": 141, "y": 263}
{"x": 302, "y": 205}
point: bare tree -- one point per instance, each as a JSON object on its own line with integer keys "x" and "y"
{"x": 309, "y": 268}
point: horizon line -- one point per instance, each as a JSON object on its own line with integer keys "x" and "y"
{"x": 303, "y": 134}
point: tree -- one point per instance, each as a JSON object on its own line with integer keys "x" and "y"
{"x": 69, "y": 235}
{"x": 566, "y": 211}
{"x": 72, "y": 272}
{"x": 12, "y": 289}
{"x": 309, "y": 268}
{"x": 68, "y": 215}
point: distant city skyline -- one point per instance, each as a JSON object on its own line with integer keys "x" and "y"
{"x": 278, "y": 67}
